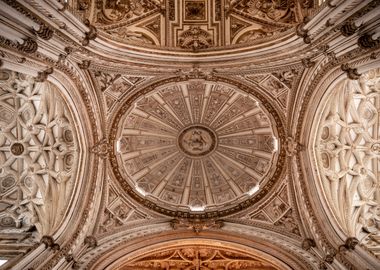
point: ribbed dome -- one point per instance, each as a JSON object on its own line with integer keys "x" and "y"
{"x": 196, "y": 146}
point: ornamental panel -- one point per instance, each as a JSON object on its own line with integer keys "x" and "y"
{"x": 38, "y": 155}
{"x": 199, "y": 257}
{"x": 347, "y": 148}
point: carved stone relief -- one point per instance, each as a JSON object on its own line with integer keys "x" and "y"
{"x": 118, "y": 212}
{"x": 277, "y": 212}
{"x": 198, "y": 257}
{"x": 38, "y": 154}
{"x": 279, "y": 85}
{"x": 347, "y": 150}
{"x": 114, "y": 86}
{"x": 194, "y": 24}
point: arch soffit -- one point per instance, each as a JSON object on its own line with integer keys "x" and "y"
{"x": 115, "y": 252}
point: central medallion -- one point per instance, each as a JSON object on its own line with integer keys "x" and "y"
{"x": 197, "y": 141}
{"x": 17, "y": 149}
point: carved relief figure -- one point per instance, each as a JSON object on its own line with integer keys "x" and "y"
{"x": 196, "y": 141}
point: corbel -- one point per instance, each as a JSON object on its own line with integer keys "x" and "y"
{"x": 348, "y": 28}
{"x": 42, "y": 76}
{"x": 308, "y": 63}
{"x": 44, "y": 32}
{"x": 302, "y": 32}
{"x": 329, "y": 258}
{"x": 28, "y": 46}
{"x": 65, "y": 5}
{"x": 68, "y": 50}
{"x": 308, "y": 243}
{"x": 90, "y": 241}
{"x": 90, "y": 35}
{"x": 85, "y": 64}
{"x": 349, "y": 244}
{"x": 322, "y": 266}
{"x": 352, "y": 73}
{"x": 48, "y": 241}
{"x": 367, "y": 42}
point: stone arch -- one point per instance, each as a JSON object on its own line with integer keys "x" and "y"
{"x": 115, "y": 253}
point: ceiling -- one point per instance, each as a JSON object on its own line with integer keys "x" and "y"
{"x": 190, "y": 134}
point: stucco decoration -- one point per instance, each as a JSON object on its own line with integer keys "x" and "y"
{"x": 196, "y": 146}
{"x": 38, "y": 155}
{"x": 347, "y": 148}
{"x": 198, "y": 257}
{"x": 193, "y": 25}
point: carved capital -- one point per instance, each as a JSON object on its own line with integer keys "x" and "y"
{"x": 367, "y": 42}
{"x": 68, "y": 50}
{"x": 352, "y": 73}
{"x": 56, "y": 247}
{"x": 28, "y": 46}
{"x": 90, "y": 241}
{"x": 308, "y": 243}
